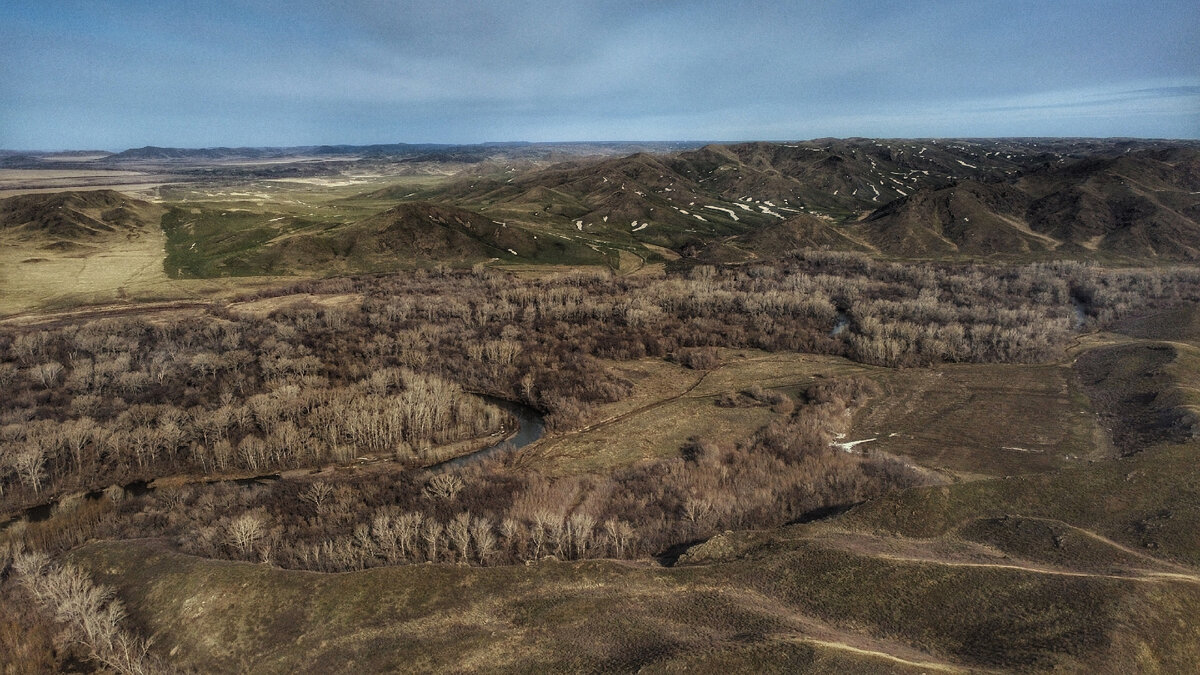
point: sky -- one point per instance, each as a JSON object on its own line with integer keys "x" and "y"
{"x": 115, "y": 74}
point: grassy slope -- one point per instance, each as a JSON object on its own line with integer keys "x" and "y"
{"x": 740, "y": 600}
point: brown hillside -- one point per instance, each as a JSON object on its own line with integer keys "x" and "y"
{"x": 69, "y": 216}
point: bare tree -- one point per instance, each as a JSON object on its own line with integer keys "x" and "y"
{"x": 28, "y": 464}
{"x": 581, "y": 526}
{"x": 484, "y": 538}
{"x": 47, "y": 373}
{"x": 431, "y": 533}
{"x": 444, "y": 486}
{"x": 408, "y": 527}
{"x": 317, "y": 494}
{"x": 459, "y": 531}
{"x": 245, "y": 530}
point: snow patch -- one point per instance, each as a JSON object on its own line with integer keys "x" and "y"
{"x": 720, "y": 208}
{"x": 848, "y": 446}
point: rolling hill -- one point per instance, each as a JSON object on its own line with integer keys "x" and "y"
{"x": 1141, "y": 205}
{"x": 905, "y": 198}
{"x": 412, "y": 234}
{"x": 75, "y": 216}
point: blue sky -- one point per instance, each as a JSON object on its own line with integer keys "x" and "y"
{"x": 114, "y": 74}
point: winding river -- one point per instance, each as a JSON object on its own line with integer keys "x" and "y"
{"x": 531, "y": 426}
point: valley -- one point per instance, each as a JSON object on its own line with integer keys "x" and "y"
{"x": 852, "y": 405}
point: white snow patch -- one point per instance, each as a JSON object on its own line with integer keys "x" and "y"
{"x": 969, "y": 166}
{"x": 743, "y": 207}
{"x": 640, "y": 227}
{"x": 719, "y": 208}
{"x": 848, "y": 446}
{"x": 699, "y": 217}
{"x": 769, "y": 212}
{"x": 579, "y": 225}
{"x": 275, "y": 219}
{"x": 512, "y": 251}
{"x": 606, "y": 219}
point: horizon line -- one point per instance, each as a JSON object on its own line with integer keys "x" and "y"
{"x": 444, "y": 144}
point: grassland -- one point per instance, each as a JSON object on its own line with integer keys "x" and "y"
{"x": 672, "y": 405}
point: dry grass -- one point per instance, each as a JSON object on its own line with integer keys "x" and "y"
{"x": 31, "y": 276}
{"x": 264, "y": 306}
{"x": 983, "y": 420}
{"x": 671, "y": 404}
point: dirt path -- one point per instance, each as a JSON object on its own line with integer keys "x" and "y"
{"x": 930, "y": 665}
{"x": 58, "y": 319}
{"x": 1143, "y": 576}
{"x": 1184, "y": 570}
{"x": 811, "y": 630}
{"x": 625, "y": 415}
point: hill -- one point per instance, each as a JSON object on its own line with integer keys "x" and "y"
{"x": 78, "y": 246}
{"x": 1028, "y": 198}
{"x": 1141, "y": 205}
{"x": 207, "y": 243}
{"x": 81, "y": 216}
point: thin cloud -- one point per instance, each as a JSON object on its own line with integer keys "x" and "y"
{"x": 253, "y": 72}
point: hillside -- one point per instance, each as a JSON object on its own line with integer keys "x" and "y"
{"x": 78, "y": 246}
{"x": 75, "y": 216}
{"x": 908, "y": 198}
{"x": 209, "y": 243}
{"x": 1142, "y": 205}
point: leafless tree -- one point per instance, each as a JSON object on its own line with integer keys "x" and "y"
{"x": 484, "y": 538}
{"x": 459, "y": 531}
{"x": 245, "y": 530}
{"x": 444, "y": 486}
{"x": 317, "y": 494}
{"x": 431, "y": 533}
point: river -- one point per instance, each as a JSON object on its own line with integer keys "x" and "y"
{"x": 531, "y": 426}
